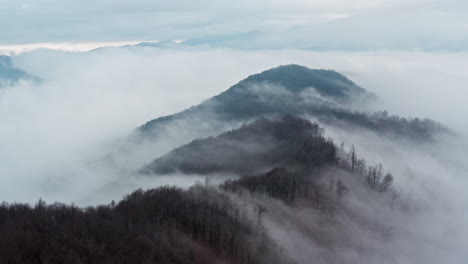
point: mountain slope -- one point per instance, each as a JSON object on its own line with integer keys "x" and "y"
{"x": 8, "y": 73}
{"x": 254, "y": 147}
{"x": 164, "y": 225}
{"x": 325, "y": 95}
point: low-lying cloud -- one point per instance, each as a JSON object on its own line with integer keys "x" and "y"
{"x": 51, "y": 131}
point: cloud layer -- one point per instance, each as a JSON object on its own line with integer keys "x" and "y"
{"x": 87, "y": 102}
{"x": 316, "y": 24}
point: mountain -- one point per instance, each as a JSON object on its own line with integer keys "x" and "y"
{"x": 258, "y": 146}
{"x": 9, "y": 74}
{"x": 164, "y": 225}
{"x": 296, "y": 79}
{"x": 309, "y": 193}
{"x": 325, "y": 95}
{"x": 293, "y": 195}
{"x": 167, "y": 44}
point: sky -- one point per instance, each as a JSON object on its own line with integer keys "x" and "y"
{"x": 434, "y": 25}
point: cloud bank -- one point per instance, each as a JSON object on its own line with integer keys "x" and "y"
{"x": 52, "y": 131}
{"x": 316, "y": 24}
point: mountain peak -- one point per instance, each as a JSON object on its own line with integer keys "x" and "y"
{"x": 296, "y": 70}
{"x": 296, "y": 78}
{"x": 283, "y": 89}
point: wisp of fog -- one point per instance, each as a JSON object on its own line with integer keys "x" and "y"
{"x": 85, "y": 102}
{"x": 53, "y": 131}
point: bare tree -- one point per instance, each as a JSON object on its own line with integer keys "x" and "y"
{"x": 377, "y": 175}
{"x": 341, "y": 189}
{"x": 353, "y": 158}
{"x": 387, "y": 182}
{"x": 361, "y": 166}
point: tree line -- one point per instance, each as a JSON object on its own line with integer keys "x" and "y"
{"x": 203, "y": 224}
{"x": 162, "y": 225}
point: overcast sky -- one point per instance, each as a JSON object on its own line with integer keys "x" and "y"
{"x": 253, "y": 24}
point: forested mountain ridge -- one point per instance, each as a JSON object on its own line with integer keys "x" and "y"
{"x": 163, "y": 225}
{"x": 297, "y": 78}
{"x": 206, "y": 223}
{"x": 256, "y": 146}
{"x": 284, "y": 177}
{"x": 284, "y": 145}
{"x": 325, "y": 95}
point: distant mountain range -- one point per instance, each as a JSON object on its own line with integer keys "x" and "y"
{"x": 160, "y": 44}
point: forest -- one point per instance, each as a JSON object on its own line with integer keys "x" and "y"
{"x": 203, "y": 224}
{"x": 326, "y": 95}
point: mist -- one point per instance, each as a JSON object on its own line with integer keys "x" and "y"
{"x": 426, "y": 223}
{"x": 52, "y": 131}
{"x": 66, "y": 138}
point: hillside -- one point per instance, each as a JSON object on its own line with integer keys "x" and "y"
{"x": 325, "y": 95}
{"x": 257, "y": 146}
{"x": 164, "y": 225}
{"x": 230, "y": 223}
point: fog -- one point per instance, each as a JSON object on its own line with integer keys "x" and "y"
{"x": 86, "y": 103}
{"x": 333, "y": 24}
{"x": 56, "y": 132}
{"x": 425, "y": 224}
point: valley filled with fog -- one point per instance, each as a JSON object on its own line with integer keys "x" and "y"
{"x": 85, "y": 102}
{"x": 70, "y": 132}
{"x": 240, "y": 132}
